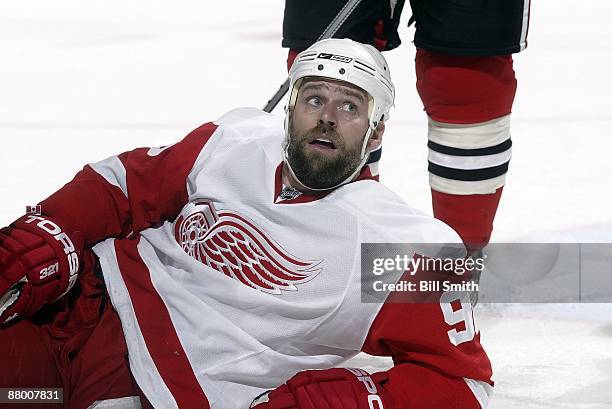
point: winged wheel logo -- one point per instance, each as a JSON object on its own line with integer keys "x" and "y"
{"x": 235, "y": 246}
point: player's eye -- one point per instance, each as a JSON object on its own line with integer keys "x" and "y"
{"x": 314, "y": 101}
{"x": 349, "y": 107}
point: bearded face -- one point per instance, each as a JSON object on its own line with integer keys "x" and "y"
{"x": 327, "y": 126}
{"x": 320, "y": 157}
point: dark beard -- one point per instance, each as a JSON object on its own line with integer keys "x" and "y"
{"x": 317, "y": 171}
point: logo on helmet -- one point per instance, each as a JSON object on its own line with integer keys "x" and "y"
{"x": 334, "y": 57}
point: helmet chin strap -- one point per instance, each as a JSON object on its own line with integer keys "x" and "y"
{"x": 364, "y": 159}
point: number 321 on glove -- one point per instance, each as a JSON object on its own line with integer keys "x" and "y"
{"x": 39, "y": 263}
{"x": 336, "y": 388}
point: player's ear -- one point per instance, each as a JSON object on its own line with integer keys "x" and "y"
{"x": 376, "y": 137}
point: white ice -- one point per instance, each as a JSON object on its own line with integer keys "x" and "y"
{"x": 80, "y": 81}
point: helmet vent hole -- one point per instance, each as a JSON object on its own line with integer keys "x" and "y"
{"x": 342, "y": 71}
{"x": 320, "y": 67}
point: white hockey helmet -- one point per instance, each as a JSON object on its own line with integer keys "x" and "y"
{"x": 347, "y": 60}
{"x": 344, "y": 60}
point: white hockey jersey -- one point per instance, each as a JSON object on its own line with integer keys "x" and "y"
{"x": 227, "y": 290}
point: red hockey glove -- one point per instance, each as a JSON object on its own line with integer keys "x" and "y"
{"x": 39, "y": 263}
{"x": 335, "y": 388}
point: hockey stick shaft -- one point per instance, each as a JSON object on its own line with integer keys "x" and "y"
{"x": 329, "y": 32}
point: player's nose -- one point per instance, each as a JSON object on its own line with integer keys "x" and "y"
{"x": 329, "y": 115}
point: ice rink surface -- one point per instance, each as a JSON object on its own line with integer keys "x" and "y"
{"x": 80, "y": 81}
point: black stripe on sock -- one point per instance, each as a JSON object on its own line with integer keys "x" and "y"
{"x": 468, "y": 175}
{"x": 491, "y": 150}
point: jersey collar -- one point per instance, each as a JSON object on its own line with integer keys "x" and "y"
{"x": 365, "y": 174}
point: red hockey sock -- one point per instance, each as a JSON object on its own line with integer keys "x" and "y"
{"x": 470, "y": 215}
{"x": 468, "y": 100}
{"x": 465, "y": 90}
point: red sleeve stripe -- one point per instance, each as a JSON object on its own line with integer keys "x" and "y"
{"x": 158, "y": 330}
{"x": 157, "y": 178}
{"x": 113, "y": 171}
{"x": 430, "y": 345}
{"x": 128, "y": 192}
